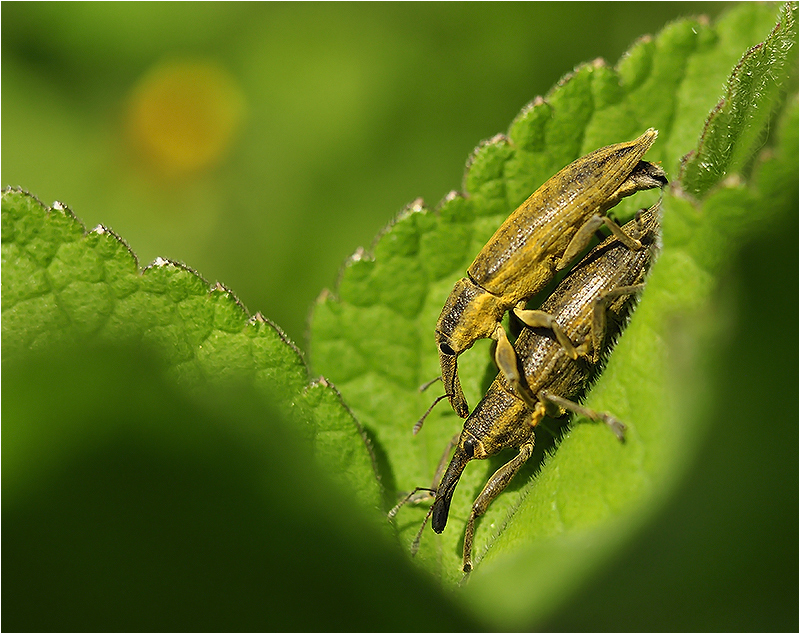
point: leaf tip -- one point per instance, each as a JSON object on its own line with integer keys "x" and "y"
{"x": 451, "y": 196}
{"x": 324, "y": 296}
{"x": 360, "y": 255}
{"x": 223, "y": 291}
{"x": 322, "y": 382}
{"x": 416, "y": 206}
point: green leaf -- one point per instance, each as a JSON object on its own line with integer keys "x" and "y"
{"x": 146, "y": 508}
{"x": 546, "y": 533}
{"x": 62, "y": 284}
{"x": 738, "y": 122}
{"x": 591, "y": 495}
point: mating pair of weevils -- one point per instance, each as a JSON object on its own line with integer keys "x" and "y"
{"x": 562, "y": 342}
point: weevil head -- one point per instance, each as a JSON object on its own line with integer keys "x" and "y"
{"x": 470, "y": 313}
{"x": 452, "y": 384}
{"x": 499, "y": 421}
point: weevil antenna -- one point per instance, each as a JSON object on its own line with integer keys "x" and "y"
{"x": 390, "y": 515}
{"x": 425, "y": 386}
{"x": 415, "y": 543}
{"x": 418, "y": 424}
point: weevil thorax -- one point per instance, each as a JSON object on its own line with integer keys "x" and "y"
{"x": 499, "y": 421}
{"x": 470, "y": 313}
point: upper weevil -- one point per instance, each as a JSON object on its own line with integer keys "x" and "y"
{"x": 542, "y": 236}
{"x": 588, "y": 307}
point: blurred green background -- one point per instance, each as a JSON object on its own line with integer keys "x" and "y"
{"x": 261, "y": 144}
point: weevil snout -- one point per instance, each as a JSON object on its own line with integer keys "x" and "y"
{"x": 470, "y": 313}
{"x": 446, "y": 488}
{"x": 448, "y": 360}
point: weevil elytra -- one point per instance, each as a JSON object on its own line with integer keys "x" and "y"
{"x": 542, "y": 236}
{"x": 588, "y": 307}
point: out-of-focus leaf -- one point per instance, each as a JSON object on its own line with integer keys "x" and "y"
{"x": 165, "y": 511}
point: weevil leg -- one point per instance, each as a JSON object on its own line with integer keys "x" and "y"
{"x": 541, "y": 319}
{"x": 549, "y": 408}
{"x": 504, "y": 355}
{"x": 599, "y": 317}
{"x": 494, "y": 487}
{"x": 580, "y": 240}
{"x": 542, "y": 409}
{"x": 634, "y": 244}
{"x": 584, "y": 235}
{"x": 616, "y": 425}
{"x": 539, "y": 413}
{"x": 506, "y": 360}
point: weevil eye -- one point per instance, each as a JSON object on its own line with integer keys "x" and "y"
{"x": 469, "y": 448}
{"x": 445, "y": 349}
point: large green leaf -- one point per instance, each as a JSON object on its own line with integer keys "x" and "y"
{"x": 374, "y": 335}
{"x": 62, "y": 284}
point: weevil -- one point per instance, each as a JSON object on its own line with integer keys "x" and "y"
{"x": 588, "y": 308}
{"x": 541, "y": 237}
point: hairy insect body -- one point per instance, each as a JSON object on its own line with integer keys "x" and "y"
{"x": 539, "y": 238}
{"x": 589, "y": 306}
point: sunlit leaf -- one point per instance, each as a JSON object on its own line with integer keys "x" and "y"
{"x": 591, "y": 492}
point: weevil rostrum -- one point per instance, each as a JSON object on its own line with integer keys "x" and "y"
{"x": 589, "y": 308}
{"x": 542, "y": 236}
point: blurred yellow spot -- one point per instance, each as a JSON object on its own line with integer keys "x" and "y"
{"x": 183, "y": 115}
